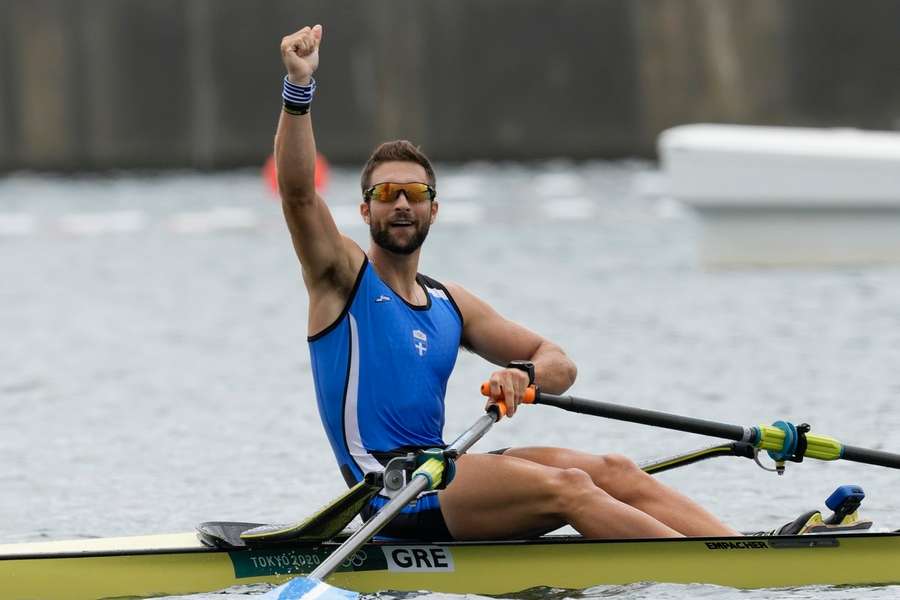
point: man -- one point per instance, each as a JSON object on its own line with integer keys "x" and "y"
{"x": 384, "y": 340}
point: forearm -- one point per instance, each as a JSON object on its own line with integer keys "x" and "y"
{"x": 553, "y": 370}
{"x": 295, "y": 157}
{"x": 295, "y": 146}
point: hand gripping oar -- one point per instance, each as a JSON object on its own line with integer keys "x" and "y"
{"x": 426, "y": 477}
{"x": 784, "y": 441}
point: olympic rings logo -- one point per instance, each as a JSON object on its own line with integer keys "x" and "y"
{"x": 355, "y": 561}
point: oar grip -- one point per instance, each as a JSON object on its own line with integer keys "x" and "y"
{"x": 530, "y": 396}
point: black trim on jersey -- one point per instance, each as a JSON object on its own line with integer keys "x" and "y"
{"x": 346, "y": 309}
{"x": 384, "y": 457}
{"x": 425, "y": 306}
{"x": 434, "y": 283}
{"x": 349, "y": 476}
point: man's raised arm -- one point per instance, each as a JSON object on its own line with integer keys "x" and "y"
{"x": 326, "y": 256}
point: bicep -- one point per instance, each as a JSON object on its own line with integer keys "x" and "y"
{"x": 491, "y": 335}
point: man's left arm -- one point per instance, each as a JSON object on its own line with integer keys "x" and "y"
{"x": 501, "y": 341}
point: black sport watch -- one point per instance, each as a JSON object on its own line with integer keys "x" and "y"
{"x": 523, "y": 365}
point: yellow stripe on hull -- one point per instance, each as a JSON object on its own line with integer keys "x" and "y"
{"x": 478, "y": 568}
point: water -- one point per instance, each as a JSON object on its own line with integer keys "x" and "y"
{"x": 154, "y": 370}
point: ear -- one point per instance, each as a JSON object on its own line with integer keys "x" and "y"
{"x": 364, "y": 211}
{"x": 434, "y": 210}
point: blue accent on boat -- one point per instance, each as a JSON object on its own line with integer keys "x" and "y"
{"x": 790, "y": 441}
{"x": 842, "y": 494}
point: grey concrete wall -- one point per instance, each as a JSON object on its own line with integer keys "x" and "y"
{"x": 99, "y": 84}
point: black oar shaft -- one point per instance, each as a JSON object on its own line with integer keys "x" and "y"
{"x": 871, "y": 457}
{"x": 833, "y": 449}
{"x": 647, "y": 417}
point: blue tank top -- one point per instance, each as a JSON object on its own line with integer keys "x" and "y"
{"x": 381, "y": 371}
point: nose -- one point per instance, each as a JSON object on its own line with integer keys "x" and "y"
{"x": 401, "y": 199}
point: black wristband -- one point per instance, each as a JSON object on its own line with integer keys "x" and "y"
{"x": 295, "y": 109}
{"x": 523, "y": 365}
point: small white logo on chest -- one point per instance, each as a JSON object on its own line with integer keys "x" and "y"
{"x": 420, "y": 341}
{"x": 383, "y": 298}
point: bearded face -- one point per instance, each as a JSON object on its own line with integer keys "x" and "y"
{"x": 398, "y": 223}
{"x": 400, "y": 233}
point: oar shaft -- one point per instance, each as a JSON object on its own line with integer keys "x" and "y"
{"x": 871, "y": 457}
{"x": 370, "y": 529}
{"x": 416, "y": 486}
{"x": 648, "y": 417}
{"x": 764, "y": 437}
{"x": 474, "y": 433}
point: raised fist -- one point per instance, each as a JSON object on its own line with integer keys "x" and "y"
{"x": 300, "y": 53}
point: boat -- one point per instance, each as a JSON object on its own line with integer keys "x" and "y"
{"x": 159, "y": 565}
{"x": 841, "y": 550}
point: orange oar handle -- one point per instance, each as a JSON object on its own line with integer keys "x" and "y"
{"x": 529, "y": 397}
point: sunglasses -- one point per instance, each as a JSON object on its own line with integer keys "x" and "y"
{"x": 388, "y": 192}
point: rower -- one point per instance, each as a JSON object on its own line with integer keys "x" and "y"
{"x": 383, "y": 341}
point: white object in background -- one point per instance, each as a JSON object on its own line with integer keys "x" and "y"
{"x": 779, "y": 196}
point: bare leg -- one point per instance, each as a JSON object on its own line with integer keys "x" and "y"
{"x": 626, "y": 482}
{"x": 503, "y": 496}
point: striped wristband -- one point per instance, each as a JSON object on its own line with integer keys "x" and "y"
{"x": 297, "y": 98}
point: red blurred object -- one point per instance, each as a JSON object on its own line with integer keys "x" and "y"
{"x": 270, "y": 175}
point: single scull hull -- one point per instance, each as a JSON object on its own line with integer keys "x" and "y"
{"x": 180, "y": 564}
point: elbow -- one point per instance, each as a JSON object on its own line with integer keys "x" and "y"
{"x": 561, "y": 373}
{"x": 570, "y": 373}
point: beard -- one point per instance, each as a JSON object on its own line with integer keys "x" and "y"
{"x": 382, "y": 235}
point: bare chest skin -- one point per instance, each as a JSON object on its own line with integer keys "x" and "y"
{"x": 328, "y": 299}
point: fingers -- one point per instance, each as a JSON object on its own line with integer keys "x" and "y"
{"x": 302, "y": 43}
{"x": 496, "y": 391}
{"x": 508, "y": 386}
{"x": 300, "y": 53}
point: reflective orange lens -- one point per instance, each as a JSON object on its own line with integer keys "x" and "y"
{"x": 388, "y": 192}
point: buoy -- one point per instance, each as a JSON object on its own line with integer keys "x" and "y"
{"x": 321, "y": 178}
{"x": 270, "y": 174}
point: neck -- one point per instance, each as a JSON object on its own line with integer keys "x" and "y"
{"x": 398, "y": 271}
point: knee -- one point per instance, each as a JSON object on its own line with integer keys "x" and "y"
{"x": 613, "y": 469}
{"x": 570, "y": 487}
{"x": 619, "y": 465}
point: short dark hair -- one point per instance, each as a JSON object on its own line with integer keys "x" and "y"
{"x": 397, "y": 150}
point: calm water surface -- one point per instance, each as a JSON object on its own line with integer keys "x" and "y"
{"x": 154, "y": 370}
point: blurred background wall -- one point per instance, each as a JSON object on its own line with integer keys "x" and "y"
{"x": 105, "y": 84}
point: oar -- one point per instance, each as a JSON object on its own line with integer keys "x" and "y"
{"x": 324, "y": 524}
{"x": 783, "y": 440}
{"x": 427, "y": 476}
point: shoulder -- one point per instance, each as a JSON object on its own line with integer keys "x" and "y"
{"x": 457, "y": 290}
{"x": 470, "y": 306}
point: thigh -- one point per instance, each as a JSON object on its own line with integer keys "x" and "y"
{"x": 499, "y": 496}
{"x": 613, "y": 473}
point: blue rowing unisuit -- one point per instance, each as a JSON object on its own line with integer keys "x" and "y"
{"x": 381, "y": 371}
